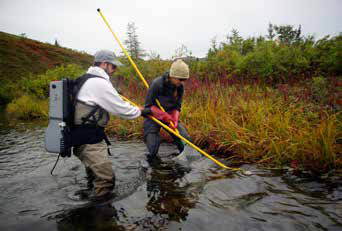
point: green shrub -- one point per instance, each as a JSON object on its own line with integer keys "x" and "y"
{"x": 27, "y": 107}
{"x": 328, "y": 56}
{"x": 8, "y": 91}
{"x": 29, "y": 96}
{"x": 149, "y": 69}
{"x": 39, "y": 85}
{"x": 258, "y": 63}
{"x": 218, "y": 65}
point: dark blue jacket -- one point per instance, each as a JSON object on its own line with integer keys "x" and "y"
{"x": 164, "y": 91}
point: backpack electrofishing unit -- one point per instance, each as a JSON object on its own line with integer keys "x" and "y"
{"x": 62, "y": 134}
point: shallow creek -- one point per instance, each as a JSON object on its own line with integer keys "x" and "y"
{"x": 155, "y": 198}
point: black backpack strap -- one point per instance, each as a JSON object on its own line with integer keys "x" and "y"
{"x": 79, "y": 83}
{"x": 100, "y": 115}
{"x": 91, "y": 114}
{"x": 105, "y": 137}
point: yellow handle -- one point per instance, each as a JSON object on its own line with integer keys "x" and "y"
{"x": 176, "y": 133}
{"x": 124, "y": 50}
{"x": 131, "y": 61}
{"x": 185, "y": 140}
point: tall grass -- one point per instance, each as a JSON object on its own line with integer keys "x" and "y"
{"x": 258, "y": 125}
{"x": 254, "y": 124}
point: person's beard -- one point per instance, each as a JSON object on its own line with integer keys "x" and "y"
{"x": 107, "y": 71}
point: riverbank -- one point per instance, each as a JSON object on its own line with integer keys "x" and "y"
{"x": 244, "y": 123}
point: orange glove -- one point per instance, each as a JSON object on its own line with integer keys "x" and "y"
{"x": 175, "y": 117}
{"x": 160, "y": 115}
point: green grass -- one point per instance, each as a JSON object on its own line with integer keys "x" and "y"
{"x": 27, "y": 108}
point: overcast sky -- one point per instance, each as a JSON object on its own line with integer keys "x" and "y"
{"x": 162, "y": 26}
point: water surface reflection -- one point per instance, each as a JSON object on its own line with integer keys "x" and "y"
{"x": 159, "y": 198}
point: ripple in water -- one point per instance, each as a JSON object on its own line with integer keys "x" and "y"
{"x": 160, "y": 198}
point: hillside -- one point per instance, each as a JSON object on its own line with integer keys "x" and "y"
{"x": 20, "y": 56}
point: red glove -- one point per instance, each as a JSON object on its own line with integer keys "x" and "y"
{"x": 175, "y": 117}
{"x": 160, "y": 115}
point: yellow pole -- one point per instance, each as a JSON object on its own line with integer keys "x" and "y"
{"x": 185, "y": 140}
{"x": 176, "y": 133}
{"x": 131, "y": 61}
{"x": 124, "y": 50}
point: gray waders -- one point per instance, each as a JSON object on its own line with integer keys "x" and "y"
{"x": 152, "y": 137}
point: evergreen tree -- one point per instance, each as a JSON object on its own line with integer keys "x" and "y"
{"x": 270, "y": 31}
{"x": 56, "y": 43}
{"x": 213, "y": 47}
{"x": 234, "y": 40}
{"x": 132, "y": 43}
{"x": 287, "y": 34}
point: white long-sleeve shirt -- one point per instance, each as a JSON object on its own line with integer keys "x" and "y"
{"x": 100, "y": 91}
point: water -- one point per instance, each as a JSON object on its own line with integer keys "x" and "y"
{"x": 159, "y": 198}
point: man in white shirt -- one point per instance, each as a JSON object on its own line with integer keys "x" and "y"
{"x": 95, "y": 100}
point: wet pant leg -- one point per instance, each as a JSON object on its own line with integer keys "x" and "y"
{"x": 90, "y": 177}
{"x": 95, "y": 158}
{"x": 183, "y": 132}
{"x": 151, "y": 137}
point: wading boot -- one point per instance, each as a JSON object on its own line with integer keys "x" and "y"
{"x": 104, "y": 198}
{"x": 153, "y": 160}
{"x": 103, "y": 195}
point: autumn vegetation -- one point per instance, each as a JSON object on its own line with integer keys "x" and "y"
{"x": 274, "y": 100}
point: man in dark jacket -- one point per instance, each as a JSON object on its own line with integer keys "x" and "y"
{"x": 169, "y": 90}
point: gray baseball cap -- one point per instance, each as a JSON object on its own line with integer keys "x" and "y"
{"x": 107, "y": 56}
